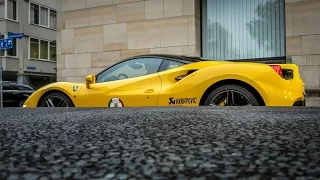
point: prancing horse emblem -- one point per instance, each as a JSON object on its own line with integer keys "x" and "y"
{"x": 75, "y": 88}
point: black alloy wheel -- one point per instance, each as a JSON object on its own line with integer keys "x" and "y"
{"x": 56, "y": 100}
{"x": 231, "y": 95}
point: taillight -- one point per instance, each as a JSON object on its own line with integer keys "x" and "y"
{"x": 277, "y": 68}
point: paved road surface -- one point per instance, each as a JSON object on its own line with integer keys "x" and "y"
{"x": 160, "y": 143}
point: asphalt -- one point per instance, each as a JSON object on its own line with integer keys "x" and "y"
{"x": 160, "y": 143}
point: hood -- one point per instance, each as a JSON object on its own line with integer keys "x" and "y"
{"x": 68, "y": 86}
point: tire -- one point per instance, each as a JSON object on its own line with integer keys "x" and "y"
{"x": 56, "y": 97}
{"x": 20, "y": 102}
{"x": 237, "y": 89}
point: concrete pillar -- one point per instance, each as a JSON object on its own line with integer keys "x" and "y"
{"x": 22, "y": 79}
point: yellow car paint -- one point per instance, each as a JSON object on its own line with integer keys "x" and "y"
{"x": 65, "y": 87}
{"x": 134, "y": 92}
{"x": 161, "y": 89}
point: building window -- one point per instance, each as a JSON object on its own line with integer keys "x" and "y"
{"x": 9, "y": 52}
{"x": 43, "y": 16}
{"x": 53, "y": 51}
{"x": 243, "y": 29}
{"x": 53, "y": 19}
{"x": 41, "y": 49}
{"x": 34, "y": 48}
{"x": 12, "y": 9}
{"x": 8, "y": 9}
{"x": 2, "y": 9}
{"x": 34, "y": 14}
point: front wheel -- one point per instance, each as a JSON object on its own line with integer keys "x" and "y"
{"x": 56, "y": 100}
{"x": 231, "y": 95}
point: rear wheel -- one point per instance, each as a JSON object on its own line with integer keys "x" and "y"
{"x": 56, "y": 100}
{"x": 231, "y": 95}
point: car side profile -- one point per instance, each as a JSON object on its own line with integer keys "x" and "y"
{"x": 172, "y": 80}
{"x": 15, "y": 94}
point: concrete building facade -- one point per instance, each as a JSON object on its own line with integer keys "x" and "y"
{"x": 32, "y": 60}
{"x": 93, "y": 34}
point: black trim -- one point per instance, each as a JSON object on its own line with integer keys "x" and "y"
{"x": 285, "y": 29}
{"x": 272, "y": 60}
{"x": 201, "y": 28}
{"x": 163, "y": 65}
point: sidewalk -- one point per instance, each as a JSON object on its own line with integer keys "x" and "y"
{"x": 313, "y": 101}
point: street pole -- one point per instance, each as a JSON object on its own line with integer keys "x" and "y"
{"x": 1, "y": 84}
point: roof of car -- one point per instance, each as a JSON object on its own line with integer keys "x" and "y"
{"x": 7, "y": 81}
{"x": 172, "y": 56}
{"x": 15, "y": 83}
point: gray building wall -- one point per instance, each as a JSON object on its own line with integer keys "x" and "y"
{"x": 20, "y": 66}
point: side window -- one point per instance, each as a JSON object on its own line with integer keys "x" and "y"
{"x": 130, "y": 69}
{"x": 173, "y": 64}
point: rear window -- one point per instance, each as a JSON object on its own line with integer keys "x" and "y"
{"x": 174, "y": 64}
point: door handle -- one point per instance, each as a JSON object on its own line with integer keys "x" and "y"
{"x": 149, "y": 91}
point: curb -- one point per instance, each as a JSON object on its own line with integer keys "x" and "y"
{"x": 313, "y": 92}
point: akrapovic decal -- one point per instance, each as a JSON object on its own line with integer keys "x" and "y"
{"x": 178, "y": 101}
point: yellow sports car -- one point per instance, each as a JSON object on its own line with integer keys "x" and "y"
{"x": 172, "y": 80}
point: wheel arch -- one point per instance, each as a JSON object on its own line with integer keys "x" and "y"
{"x": 234, "y": 82}
{"x": 53, "y": 91}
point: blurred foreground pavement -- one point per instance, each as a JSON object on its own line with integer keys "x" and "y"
{"x": 160, "y": 143}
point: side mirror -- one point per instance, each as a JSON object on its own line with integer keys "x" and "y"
{"x": 91, "y": 79}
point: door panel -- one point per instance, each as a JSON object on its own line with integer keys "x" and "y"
{"x": 170, "y": 71}
{"x": 171, "y": 94}
{"x": 139, "y": 91}
{"x": 130, "y": 83}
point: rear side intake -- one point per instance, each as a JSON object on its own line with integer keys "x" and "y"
{"x": 286, "y": 71}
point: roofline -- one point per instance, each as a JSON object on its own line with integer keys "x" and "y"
{"x": 171, "y": 56}
{"x": 271, "y": 60}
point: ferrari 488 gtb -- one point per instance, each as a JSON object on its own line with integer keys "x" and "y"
{"x": 171, "y": 80}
